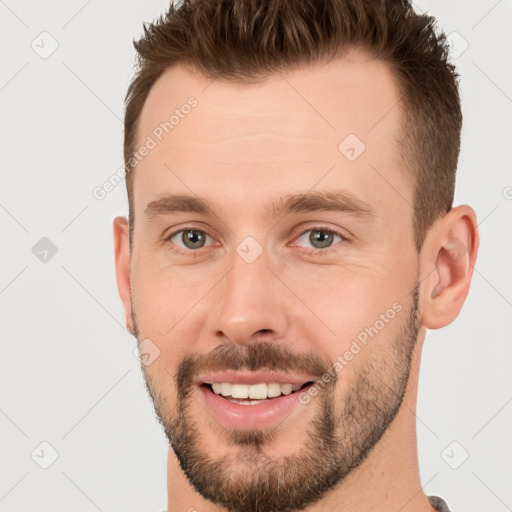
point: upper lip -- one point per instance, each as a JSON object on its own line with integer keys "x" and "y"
{"x": 237, "y": 377}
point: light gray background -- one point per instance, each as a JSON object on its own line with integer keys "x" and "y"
{"x": 68, "y": 374}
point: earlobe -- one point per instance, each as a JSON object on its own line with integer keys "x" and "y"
{"x": 451, "y": 252}
{"x": 122, "y": 263}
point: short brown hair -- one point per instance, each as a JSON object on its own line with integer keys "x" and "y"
{"x": 245, "y": 41}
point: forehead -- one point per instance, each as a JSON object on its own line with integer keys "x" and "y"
{"x": 284, "y": 132}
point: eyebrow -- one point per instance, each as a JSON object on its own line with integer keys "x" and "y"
{"x": 329, "y": 201}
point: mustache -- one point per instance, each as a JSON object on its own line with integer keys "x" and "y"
{"x": 259, "y": 356}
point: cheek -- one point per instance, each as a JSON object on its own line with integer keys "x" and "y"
{"x": 349, "y": 291}
{"x": 163, "y": 294}
{"x": 164, "y": 301}
{"x": 352, "y": 303}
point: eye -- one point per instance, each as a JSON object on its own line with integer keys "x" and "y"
{"x": 320, "y": 238}
{"x": 189, "y": 238}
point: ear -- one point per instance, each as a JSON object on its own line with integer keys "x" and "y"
{"x": 448, "y": 257}
{"x": 122, "y": 261}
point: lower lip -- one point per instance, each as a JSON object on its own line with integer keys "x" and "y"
{"x": 237, "y": 416}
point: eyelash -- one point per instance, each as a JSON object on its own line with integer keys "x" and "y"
{"x": 309, "y": 250}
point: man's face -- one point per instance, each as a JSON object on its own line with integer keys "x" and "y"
{"x": 252, "y": 287}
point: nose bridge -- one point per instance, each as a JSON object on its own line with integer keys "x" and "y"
{"x": 248, "y": 299}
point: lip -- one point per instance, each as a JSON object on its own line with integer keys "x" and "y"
{"x": 247, "y": 417}
{"x": 237, "y": 377}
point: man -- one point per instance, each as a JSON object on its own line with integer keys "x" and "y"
{"x": 291, "y": 236}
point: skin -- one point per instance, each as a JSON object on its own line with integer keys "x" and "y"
{"x": 240, "y": 148}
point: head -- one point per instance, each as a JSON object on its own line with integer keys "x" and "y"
{"x": 258, "y": 43}
{"x": 295, "y": 217}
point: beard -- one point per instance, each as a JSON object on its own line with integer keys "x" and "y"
{"x": 248, "y": 478}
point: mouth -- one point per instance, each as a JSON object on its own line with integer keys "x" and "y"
{"x": 253, "y": 394}
{"x": 249, "y": 401}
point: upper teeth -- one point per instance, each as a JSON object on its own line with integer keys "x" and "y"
{"x": 258, "y": 391}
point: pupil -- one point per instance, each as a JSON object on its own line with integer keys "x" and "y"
{"x": 321, "y": 238}
{"x": 193, "y": 239}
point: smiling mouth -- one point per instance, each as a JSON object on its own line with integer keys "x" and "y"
{"x": 253, "y": 394}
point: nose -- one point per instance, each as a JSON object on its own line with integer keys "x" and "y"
{"x": 250, "y": 303}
